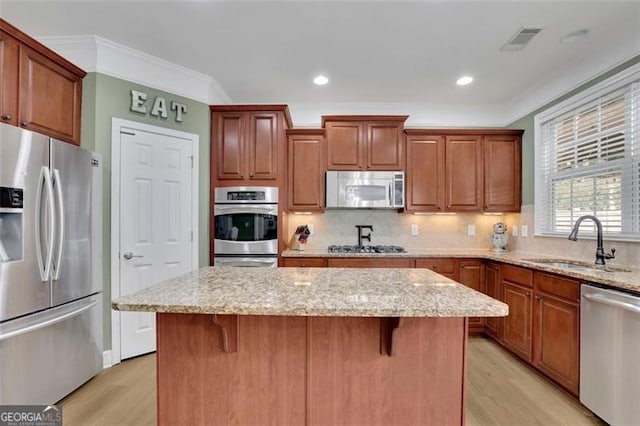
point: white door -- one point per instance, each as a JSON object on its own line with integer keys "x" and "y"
{"x": 155, "y": 224}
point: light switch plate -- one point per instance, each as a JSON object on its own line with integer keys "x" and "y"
{"x": 514, "y": 230}
{"x": 524, "y": 231}
{"x": 414, "y": 229}
{"x": 471, "y": 230}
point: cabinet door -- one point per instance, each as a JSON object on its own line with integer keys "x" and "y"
{"x": 9, "y": 79}
{"x": 305, "y": 180}
{"x": 425, "y": 173}
{"x": 228, "y": 140}
{"x": 517, "y": 325}
{"x": 557, "y": 345}
{"x": 345, "y": 145}
{"x": 263, "y": 146}
{"x": 384, "y": 146}
{"x": 370, "y": 263}
{"x": 464, "y": 173}
{"x": 502, "y": 178}
{"x": 493, "y": 289}
{"x": 471, "y": 275}
{"x": 50, "y": 97}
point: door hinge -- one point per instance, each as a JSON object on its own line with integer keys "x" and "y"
{"x": 192, "y": 235}
{"x": 122, "y": 132}
{"x": 191, "y": 157}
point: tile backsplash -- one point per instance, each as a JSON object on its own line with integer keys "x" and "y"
{"x": 449, "y": 231}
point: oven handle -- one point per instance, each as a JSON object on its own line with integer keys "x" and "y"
{"x": 243, "y": 209}
{"x": 246, "y": 263}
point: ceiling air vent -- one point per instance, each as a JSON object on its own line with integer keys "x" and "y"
{"x": 521, "y": 38}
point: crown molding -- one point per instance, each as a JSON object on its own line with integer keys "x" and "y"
{"x": 97, "y": 54}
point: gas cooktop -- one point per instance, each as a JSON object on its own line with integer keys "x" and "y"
{"x": 366, "y": 249}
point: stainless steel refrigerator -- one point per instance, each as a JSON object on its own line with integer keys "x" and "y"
{"x": 50, "y": 267}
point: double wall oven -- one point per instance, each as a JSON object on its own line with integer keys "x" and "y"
{"x": 246, "y": 226}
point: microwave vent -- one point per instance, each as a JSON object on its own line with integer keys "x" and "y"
{"x": 521, "y": 38}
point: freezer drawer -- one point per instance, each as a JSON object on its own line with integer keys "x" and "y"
{"x": 609, "y": 354}
{"x": 46, "y": 356}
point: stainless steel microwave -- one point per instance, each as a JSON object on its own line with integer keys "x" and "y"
{"x": 369, "y": 190}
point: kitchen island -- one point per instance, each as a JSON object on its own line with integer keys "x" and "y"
{"x": 311, "y": 346}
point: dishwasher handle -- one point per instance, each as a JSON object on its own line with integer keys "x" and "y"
{"x": 598, "y": 298}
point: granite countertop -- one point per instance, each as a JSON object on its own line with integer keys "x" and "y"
{"x": 622, "y": 280}
{"x": 358, "y": 292}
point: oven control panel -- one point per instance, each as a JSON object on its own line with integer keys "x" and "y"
{"x": 246, "y": 194}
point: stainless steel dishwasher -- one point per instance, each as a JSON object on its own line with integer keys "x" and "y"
{"x": 610, "y": 354}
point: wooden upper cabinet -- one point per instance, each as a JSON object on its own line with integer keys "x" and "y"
{"x": 229, "y": 142}
{"x": 263, "y": 146}
{"x": 9, "y": 78}
{"x": 50, "y": 97}
{"x": 464, "y": 173}
{"x": 385, "y": 147}
{"x": 345, "y": 145}
{"x": 39, "y": 90}
{"x": 305, "y": 170}
{"x": 502, "y": 173}
{"x": 425, "y": 175}
{"x": 248, "y": 142}
{"x": 362, "y": 142}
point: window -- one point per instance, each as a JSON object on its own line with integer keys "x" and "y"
{"x": 588, "y": 160}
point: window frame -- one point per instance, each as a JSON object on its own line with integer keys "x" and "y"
{"x": 577, "y": 101}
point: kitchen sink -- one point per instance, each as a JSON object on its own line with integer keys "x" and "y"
{"x": 578, "y": 266}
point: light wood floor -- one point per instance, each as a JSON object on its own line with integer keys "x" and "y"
{"x": 500, "y": 391}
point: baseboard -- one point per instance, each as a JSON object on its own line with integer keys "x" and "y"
{"x": 106, "y": 359}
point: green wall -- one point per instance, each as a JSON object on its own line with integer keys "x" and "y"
{"x": 526, "y": 123}
{"x": 104, "y": 98}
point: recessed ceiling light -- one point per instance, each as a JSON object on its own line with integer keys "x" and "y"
{"x": 574, "y": 36}
{"x": 321, "y": 80}
{"x": 463, "y": 81}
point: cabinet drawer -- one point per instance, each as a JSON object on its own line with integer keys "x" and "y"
{"x": 441, "y": 266}
{"x": 558, "y": 286}
{"x": 370, "y": 263}
{"x": 305, "y": 262}
{"x": 517, "y": 275}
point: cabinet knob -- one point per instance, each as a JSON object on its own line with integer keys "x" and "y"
{"x": 7, "y": 117}
{"x": 462, "y": 265}
{"x": 528, "y": 294}
{"x": 24, "y": 123}
{"x": 435, "y": 266}
{"x": 251, "y": 175}
{"x": 538, "y": 298}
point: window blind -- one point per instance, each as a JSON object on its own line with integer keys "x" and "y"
{"x": 588, "y": 162}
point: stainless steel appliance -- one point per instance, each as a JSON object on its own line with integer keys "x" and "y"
{"x": 246, "y": 226}
{"x": 50, "y": 267}
{"x": 609, "y": 354}
{"x": 366, "y": 249}
{"x": 373, "y": 190}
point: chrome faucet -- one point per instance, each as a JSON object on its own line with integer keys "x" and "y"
{"x": 364, "y": 237}
{"x": 600, "y": 254}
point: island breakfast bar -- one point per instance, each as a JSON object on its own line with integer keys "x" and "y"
{"x": 311, "y": 346}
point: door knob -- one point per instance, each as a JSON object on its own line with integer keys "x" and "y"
{"x": 128, "y": 255}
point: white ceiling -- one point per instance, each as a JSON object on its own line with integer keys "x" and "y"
{"x": 380, "y": 56}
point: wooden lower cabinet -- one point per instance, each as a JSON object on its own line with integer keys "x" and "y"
{"x": 370, "y": 263}
{"x": 493, "y": 288}
{"x": 556, "y": 330}
{"x": 445, "y": 267}
{"x": 471, "y": 274}
{"x": 304, "y": 262}
{"x": 309, "y": 370}
{"x": 517, "y": 325}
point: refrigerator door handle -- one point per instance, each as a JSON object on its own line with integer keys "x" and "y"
{"x": 60, "y": 213}
{"x": 45, "y": 181}
{"x": 37, "y": 326}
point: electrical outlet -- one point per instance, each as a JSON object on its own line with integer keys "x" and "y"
{"x": 312, "y": 229}
{"x": 524, "y": 231}
{"x": 414, "y": 229}
{"x": 514, "y": 230}
{"x": 471, "y": 230}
